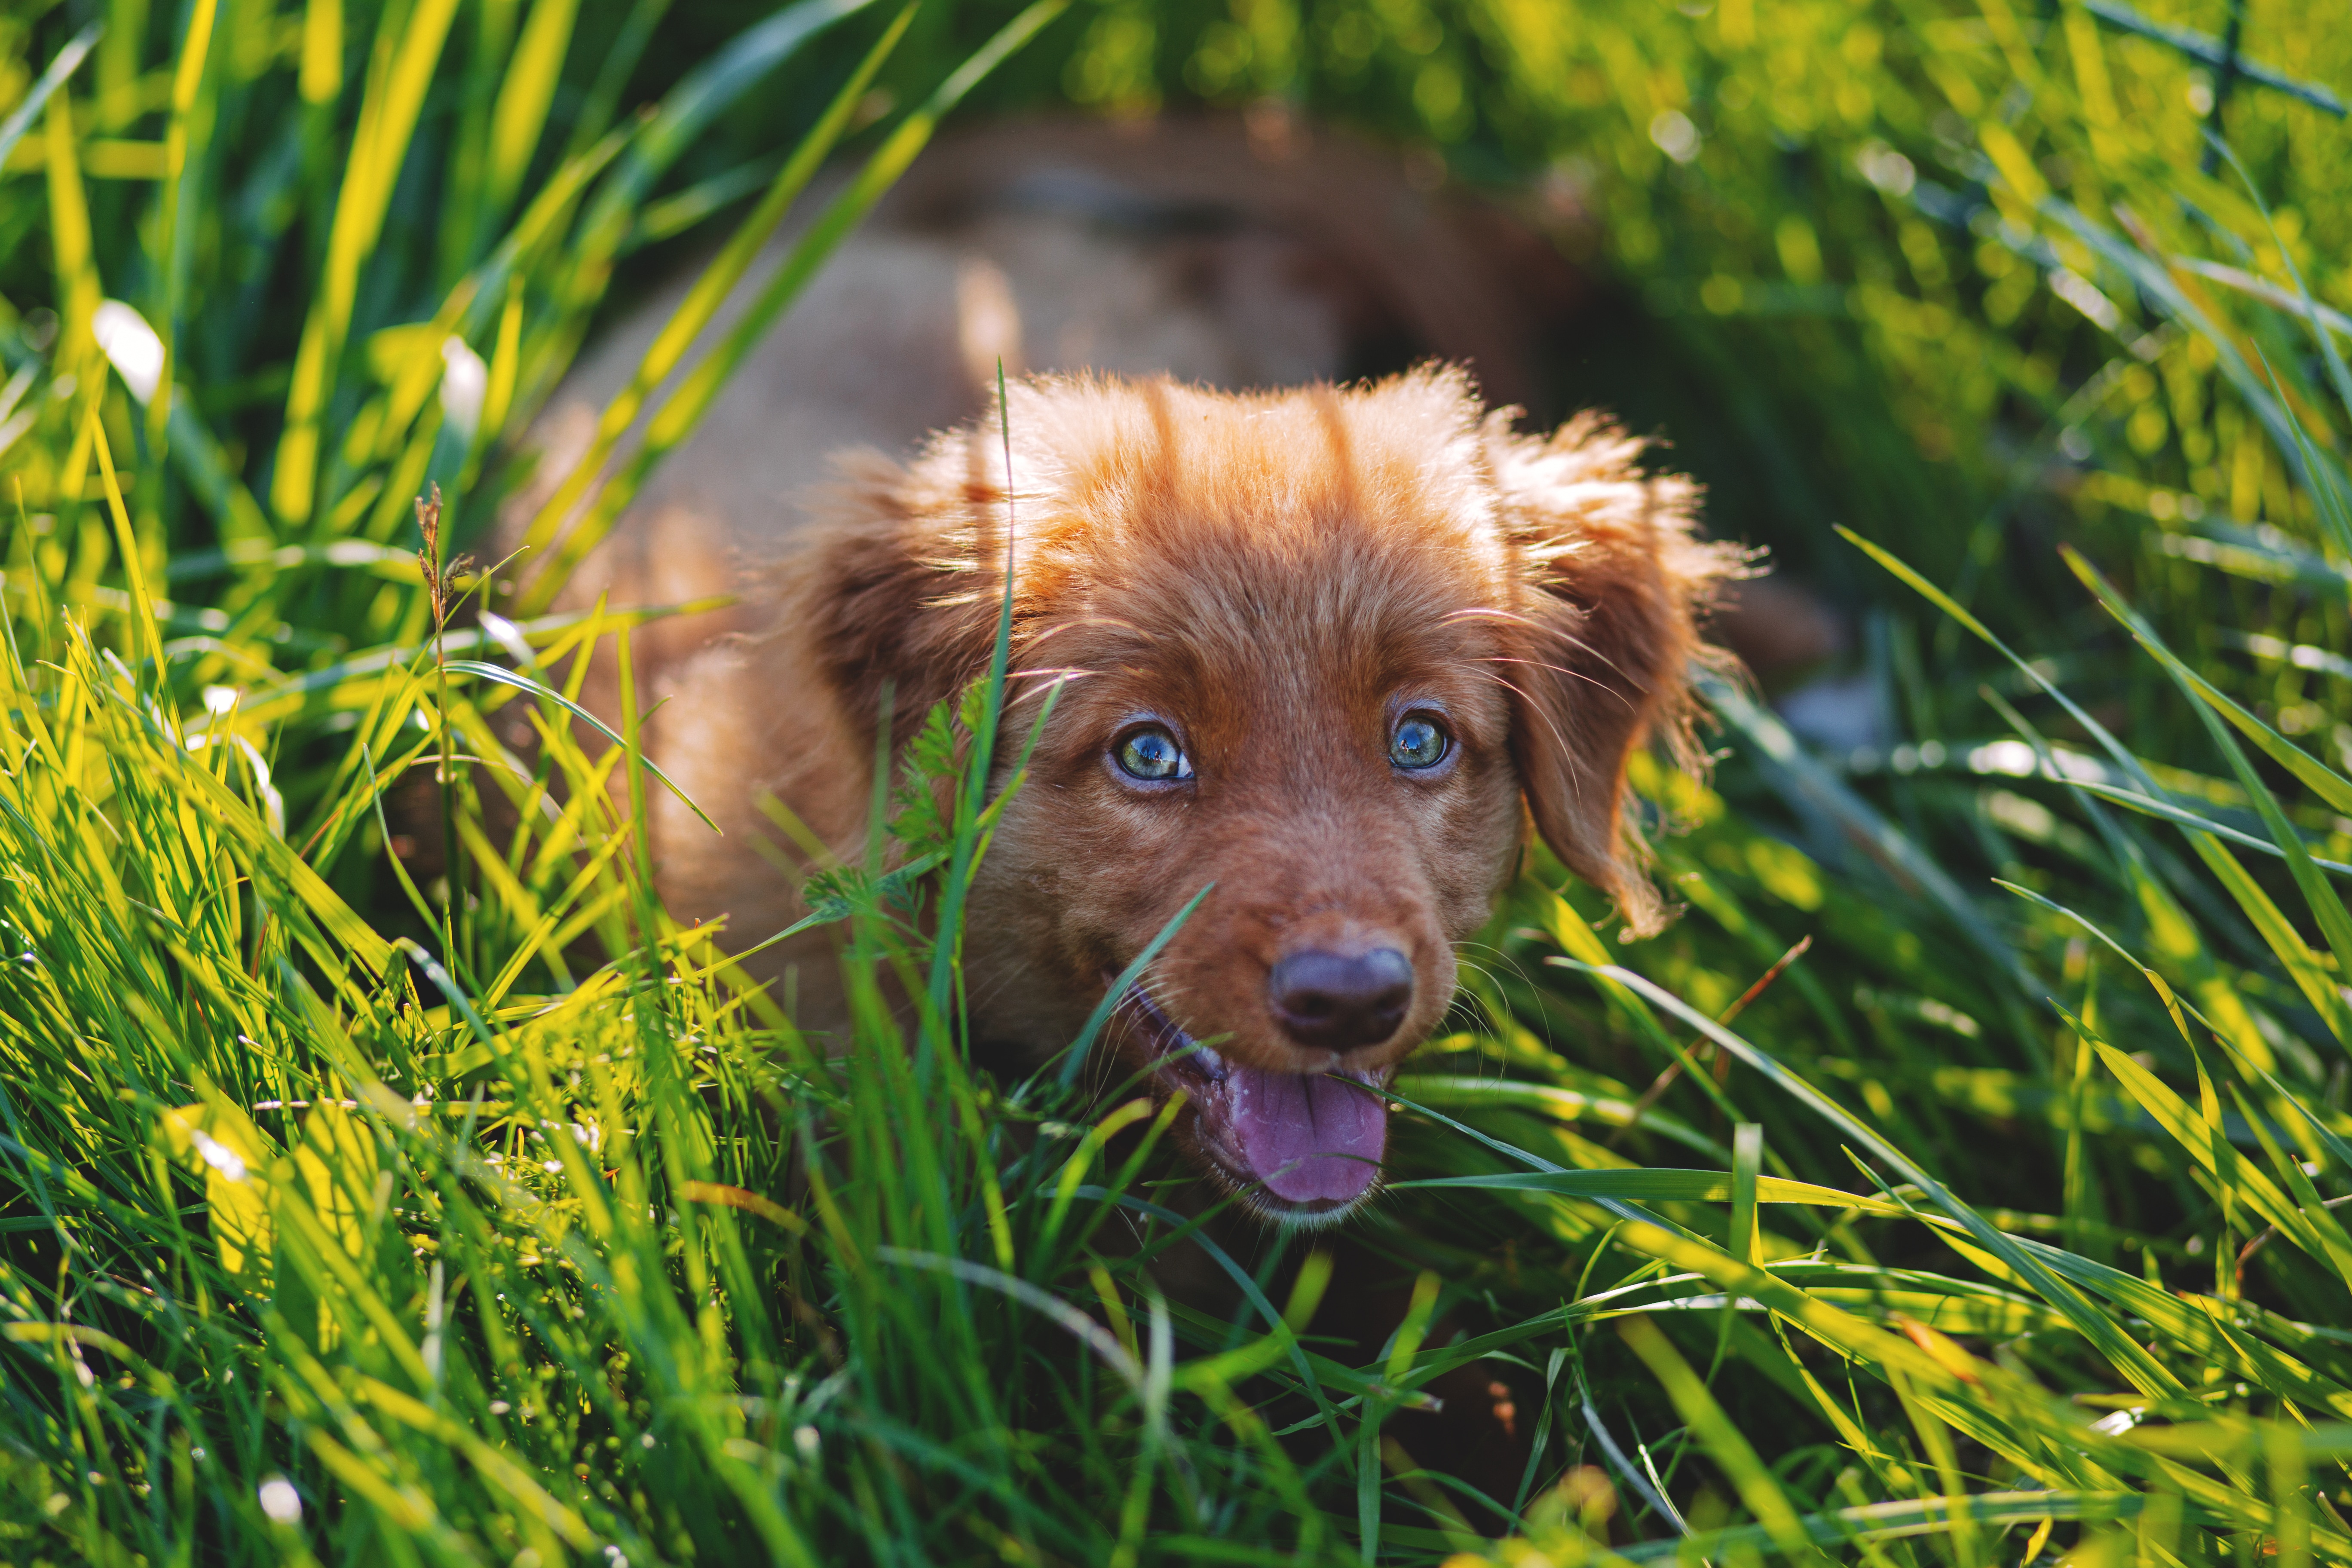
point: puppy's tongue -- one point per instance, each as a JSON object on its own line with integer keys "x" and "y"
{"x": 1328, "y": 1134}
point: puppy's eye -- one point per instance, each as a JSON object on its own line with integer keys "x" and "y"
{"x": 1420, "y": 742}
{"x": 1152, "y": 754}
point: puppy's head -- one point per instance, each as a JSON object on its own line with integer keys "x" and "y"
{"x": 1316, "y": 649}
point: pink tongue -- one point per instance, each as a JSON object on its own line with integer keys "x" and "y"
{"x": 1329, "y": 1133}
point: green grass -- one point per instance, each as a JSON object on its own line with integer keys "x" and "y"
{"x": 496, "y": 1220}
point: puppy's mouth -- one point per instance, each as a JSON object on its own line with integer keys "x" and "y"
{"x": 1303, "y": 1146}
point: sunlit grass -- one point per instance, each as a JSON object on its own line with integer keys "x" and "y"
{"x": 1957, "y": 1180}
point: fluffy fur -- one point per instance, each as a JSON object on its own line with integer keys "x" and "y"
{"x": 1276, "y": 578}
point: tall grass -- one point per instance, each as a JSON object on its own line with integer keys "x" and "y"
{"x": 1877, "y": 1209}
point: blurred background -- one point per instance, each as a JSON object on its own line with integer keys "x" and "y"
{"x": 1800, "y": 244}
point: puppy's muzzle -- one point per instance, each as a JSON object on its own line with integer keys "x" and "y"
{"x": 1340, "y": 1002}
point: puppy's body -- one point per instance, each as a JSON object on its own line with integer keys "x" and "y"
{"x": 1316, "y": 647}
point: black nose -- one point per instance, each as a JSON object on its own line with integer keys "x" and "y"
{"x": 1336, "y": 1002}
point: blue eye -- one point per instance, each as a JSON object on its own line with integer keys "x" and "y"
{"x": 1152, "y": 754}
{"x": 1420, "y": 742}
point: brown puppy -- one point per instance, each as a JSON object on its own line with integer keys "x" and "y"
{"x": 1321, "y": 642}
{"x": 1318, "y": 648}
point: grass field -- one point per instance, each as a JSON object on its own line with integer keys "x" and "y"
{"x": 345, "y": 1220}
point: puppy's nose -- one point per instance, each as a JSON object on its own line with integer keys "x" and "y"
{"x": 1335, "y": 1002}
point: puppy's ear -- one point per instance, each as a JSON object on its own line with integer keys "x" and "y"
{"x": 903, "y": 583}
{"x": 1613, "y": 584}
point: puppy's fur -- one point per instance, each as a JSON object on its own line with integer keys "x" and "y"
{"x": 1274, "y": 580}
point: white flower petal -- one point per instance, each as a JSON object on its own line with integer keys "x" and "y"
{"x": 131, "y": 344}
{"x": 465, "y": 383}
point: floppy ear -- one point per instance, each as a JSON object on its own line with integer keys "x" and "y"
{"x": 902, "y": 586}
{"x": 1613, "y": 584}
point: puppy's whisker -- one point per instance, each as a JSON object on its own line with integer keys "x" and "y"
{"x": 1114, "y": 622}
{"x": 1571, "y": 674}
{"x": 1545, "y": 626}
{"x": 1492, "y": 613}
{"x": 1501, "y": 955}
{"x": 1575, "y": 784}
{"x": 1041, "y": 687}
{"x": 1161, "y": 993}
{"x": 1089, "y": 623}
{"x": 1485, "y": 972}
{"x": 979, "y": 996}
{"x": 1579, "y": 643}
{"x": 1050, "y": 674}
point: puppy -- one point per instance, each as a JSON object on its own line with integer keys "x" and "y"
{"x": 1324, "y": 652}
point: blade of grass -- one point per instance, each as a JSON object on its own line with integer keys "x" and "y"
{"x": 2327, "y": 907}
{"x": 1733, "y": 1452}
{"x": 399, "y": 71}
{"x": 20, "y": 119}
{"x": 2128, "y": 1356}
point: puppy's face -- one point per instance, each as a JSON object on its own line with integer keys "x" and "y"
{"x": 1309, "y": 656}
{"x": 1311, "y": 731}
